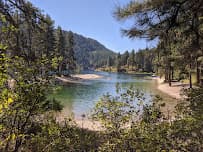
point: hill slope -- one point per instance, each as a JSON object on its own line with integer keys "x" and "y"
{"x": 90, "y": 53}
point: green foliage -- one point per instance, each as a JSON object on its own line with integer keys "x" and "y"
{"x": 24, "y": 76}
{"x": 177, "y": 25}
{"x": 27, "y": 117}
{"x": 152, "y": 131}
{"x": 71, "y": 61}
{"x": 62, "y": 137}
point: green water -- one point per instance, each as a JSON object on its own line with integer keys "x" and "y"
{"x": 81, "y": 98}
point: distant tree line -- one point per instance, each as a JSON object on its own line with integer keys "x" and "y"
{"x": 140, "y": 61}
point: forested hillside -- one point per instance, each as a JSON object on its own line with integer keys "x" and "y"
{"x": 90, "y": 53}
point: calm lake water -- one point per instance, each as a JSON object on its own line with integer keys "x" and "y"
{"x": 81, "y": 98}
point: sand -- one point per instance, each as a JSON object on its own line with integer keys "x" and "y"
{"x": 77, "y": 78}
{"x": 87, "y": 76}
{"x": 85, "y": 123}
{"x": 89, "y": 124}
{"x": 64, "y": 79}
{"x": 174, "y": 91}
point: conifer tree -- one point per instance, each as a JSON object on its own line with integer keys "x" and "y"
{"x": 70, "y": 57}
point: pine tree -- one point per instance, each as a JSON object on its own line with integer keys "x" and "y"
{"x": 60, "y": 49}
{"x": 70, "y": 57}
{"x": 109, "y": 62}
{"x": 161, "y": 19}
{"x": 49, "y": 37}
{"x": 118, "y": 62}
{"x": 132, "y": 59}
{"x": 124, "y": 58}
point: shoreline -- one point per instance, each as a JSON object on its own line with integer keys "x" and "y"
{"x": 86, "y": 76}
{"x": 81, "y": 122}
{"x": 78, "y": 78}
{"x": 175, "y": 91}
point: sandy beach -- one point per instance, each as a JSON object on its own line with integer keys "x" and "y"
{"x": 63, "y": 79}
{"x": 86, "y": 76}
{"x": 174, "y": 91}
{"x": 77, "y": 78}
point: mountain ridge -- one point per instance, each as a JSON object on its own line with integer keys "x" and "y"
{"x": 90, "y": 53}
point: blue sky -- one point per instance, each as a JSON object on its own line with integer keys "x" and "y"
{"x": 94, "y": 19}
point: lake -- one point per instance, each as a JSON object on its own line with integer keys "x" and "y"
{"x": 81, "y": 98}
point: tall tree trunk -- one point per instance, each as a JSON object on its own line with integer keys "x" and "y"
{"x": 166, "y": 74}
{"x": 60, "y": 69}
{"x": 172, "y": 73}
{"x": 169, "y": 76}
{"x": 197, "y": 72}
{"x": 200, "y": 74}
{"x": 157, "y": 70}
{"x": 190, "y": 75}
